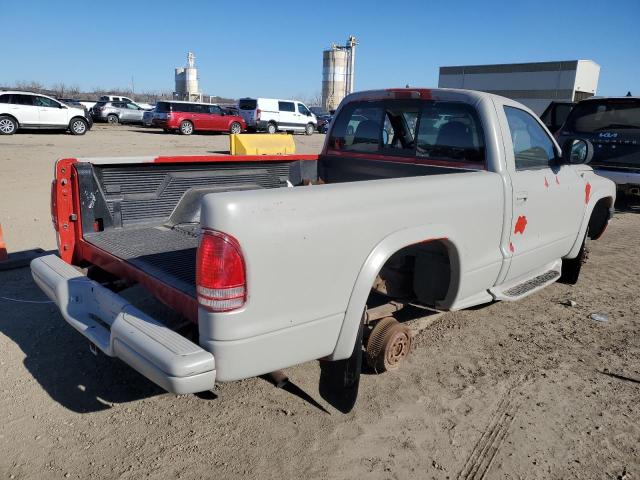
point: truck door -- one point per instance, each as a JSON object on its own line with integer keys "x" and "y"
{"x": 548, "y": 196}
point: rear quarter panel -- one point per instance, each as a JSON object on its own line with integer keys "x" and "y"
{"x": 305, "y": 247}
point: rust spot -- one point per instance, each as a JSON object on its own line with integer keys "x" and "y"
{"x": 557, "y": 180}
{"x": 521, "y": 224}
{"x": 587, "y": 192}
{"x": 511, "y": 247}
{"x": 546, "y": 183}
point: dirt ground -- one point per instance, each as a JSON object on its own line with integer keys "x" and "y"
{"x": 529, "y": 390}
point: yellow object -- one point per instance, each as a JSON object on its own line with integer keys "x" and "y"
{"x": 261, "y": 144}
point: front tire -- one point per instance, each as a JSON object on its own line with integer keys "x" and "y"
{"x": 186, "y": 127}
{"x": 8, "y": 126}
{"x": 112, "y": 119}
{"x": 309, "y": 129}
{"x": 571, "y": 267}
{"x": 78, "y": 126}
{"x": 272, "y": 128}
{"x": 235, "y": 128}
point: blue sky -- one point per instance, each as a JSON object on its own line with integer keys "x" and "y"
{"x": 274, "y": 49}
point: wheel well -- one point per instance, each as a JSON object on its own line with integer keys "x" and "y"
{"x": 77, "y": 116}
{"x": 421, "y": 273}
{"x": 11, "y": 117}
{"x": 599, "y": 217}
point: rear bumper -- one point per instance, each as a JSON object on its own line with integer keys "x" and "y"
{"x": 121, "y": 330}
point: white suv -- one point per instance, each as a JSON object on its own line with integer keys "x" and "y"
{"x": 30, "y": 110}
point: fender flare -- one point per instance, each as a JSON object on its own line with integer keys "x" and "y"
{"x": 375, "y": 261}
{"x": 595, "y": 197}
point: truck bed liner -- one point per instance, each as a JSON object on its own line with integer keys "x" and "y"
{"x": 168, "y": 254}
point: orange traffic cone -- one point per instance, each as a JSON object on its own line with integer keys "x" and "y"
{"x": 3, "y": 248}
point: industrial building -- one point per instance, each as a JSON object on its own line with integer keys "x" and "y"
{"x": 338, "y": 68}
{"x": 187, "y": 81}
{"x": 533, "y": 84}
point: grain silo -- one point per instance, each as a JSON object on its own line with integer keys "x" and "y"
{"x": 338, "y": 64}
{"x": 187, "y": 81}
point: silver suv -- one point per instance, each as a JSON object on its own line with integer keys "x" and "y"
{"x": 117, "y": 112}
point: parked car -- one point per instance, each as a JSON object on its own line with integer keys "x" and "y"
{"x": 323, "y": 122}
{"x": 147, "y": 117}
{"x": 72, "y": 102}
{"x": 117, "y": 112}
{"x": 612, "y": 125}
{"x": 439, "y": 197}
{"x": 318, "y": 111}
{"x": 20, "y": 110}
{"x": 273, "y": 115}
{"x": 556, "y": 114}
{"x": 117, "y": 98}
{"x": 189, "y": 117}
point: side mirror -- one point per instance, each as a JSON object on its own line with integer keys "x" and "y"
{"x": 576, "y": 151}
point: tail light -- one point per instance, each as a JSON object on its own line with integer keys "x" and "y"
{"x": 220, "y": 272}
{"x": 258, "y": 112}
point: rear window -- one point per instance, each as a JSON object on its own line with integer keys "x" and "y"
{"x": 247, "y": 104}
{"x": 286, "y": 106}
{"x": 437, "y": 130}
{"x": 595, "y": 116}
{"x": 163, "y": 107}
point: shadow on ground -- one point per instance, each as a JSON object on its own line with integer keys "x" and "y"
{"x": 58, "y": 357}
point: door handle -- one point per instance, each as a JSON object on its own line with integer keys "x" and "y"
{"x": 522, "y": 197}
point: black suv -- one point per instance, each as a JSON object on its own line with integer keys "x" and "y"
{"x": 612, "y": 125}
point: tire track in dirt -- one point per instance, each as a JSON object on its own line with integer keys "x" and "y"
{"x": 481, "y": 458}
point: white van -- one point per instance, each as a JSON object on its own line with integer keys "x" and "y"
{"x": 272, "y": 115}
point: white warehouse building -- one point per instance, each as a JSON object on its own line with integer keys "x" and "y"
{"x": 533, "y": 84}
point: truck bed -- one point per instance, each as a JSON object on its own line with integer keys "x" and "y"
{"x": 147, "y": 215}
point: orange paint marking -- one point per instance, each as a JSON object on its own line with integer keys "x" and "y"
{"x": 546, "y": 183}
{"x": 557, "y": 180}
{"x": 587, "y": 192}
{"x": 511, "y": 247}
{"x": 521, "y": 225}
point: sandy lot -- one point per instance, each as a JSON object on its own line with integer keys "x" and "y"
{"x": 534, "y": 389}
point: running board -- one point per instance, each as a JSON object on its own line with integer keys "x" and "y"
{"x": 524, "y": 286}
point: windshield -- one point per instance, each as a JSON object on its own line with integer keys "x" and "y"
{"x": 594, "y": 116}
{"x": 247, "y": 104}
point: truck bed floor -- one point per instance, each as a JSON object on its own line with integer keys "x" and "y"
{"x": 169, "y": 254}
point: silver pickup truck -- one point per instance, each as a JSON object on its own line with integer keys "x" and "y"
{"x": 443, "y": 198}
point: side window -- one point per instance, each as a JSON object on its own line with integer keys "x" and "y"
{"x": 131, "y": 106}
{"x": 358, "y": 128}
{"x": 216, "y": 110}
{"x": 532, "y": 147}
{"x": 303, "y": 110}
{"x": 399, "y": 128}
{"x": 19, "y": 99}
{"x": 45, "y": 102}
{"x": 6, "y": 98}
{"x": 450, "y": 131}
{"x": 286, "y": 106}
